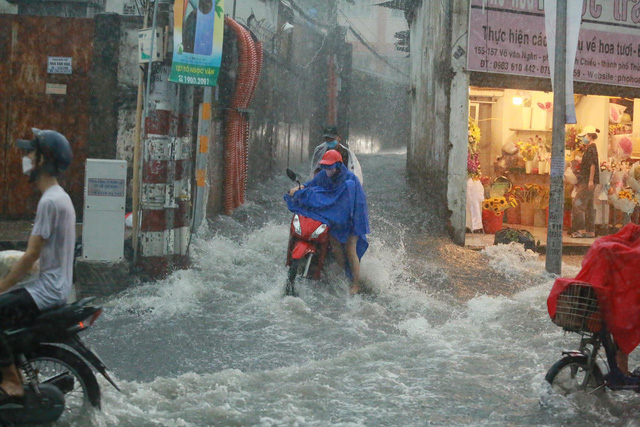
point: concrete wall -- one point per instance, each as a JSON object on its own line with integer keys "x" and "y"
{"x": 437, "y": 152}
{"x": 114, "y": 89}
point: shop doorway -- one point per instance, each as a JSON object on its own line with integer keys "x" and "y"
{"x": 41, "y": 91}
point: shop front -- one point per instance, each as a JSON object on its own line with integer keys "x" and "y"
{"x": 510, "y": 122}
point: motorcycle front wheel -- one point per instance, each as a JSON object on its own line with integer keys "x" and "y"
{"x": 571, "y": 374}
{"x": 67, "y": 371}
{"x": 290, "y": 290}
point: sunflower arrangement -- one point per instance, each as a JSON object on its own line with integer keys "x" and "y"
{"x": 618, "y": 129}
{"x": 528, "y": 150}
{"x": 496, "y": 204}
{"x": 625, "y": 194}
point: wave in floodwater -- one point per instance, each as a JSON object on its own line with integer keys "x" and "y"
{"x": 219, "y": 344}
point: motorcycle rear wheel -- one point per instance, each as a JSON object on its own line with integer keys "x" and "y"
{"x": 570, "y": 375}
{"x": 51, "y": 363}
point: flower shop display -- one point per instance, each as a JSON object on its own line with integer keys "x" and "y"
{"x": 548, "y": 109}
{"x": 605, "y": 180}
{"x": 473, "y": 158}
{"x": 528, "y": 151}
{"x": 515, "y": 198}
{"x": 571, "y": 139}
{"x": 533, "y": 197}
{"x": 493, "y": 213}
{"x": 619, "y": 129}
{"x": 633, "y": 177}
{"x": 625, "y": 201}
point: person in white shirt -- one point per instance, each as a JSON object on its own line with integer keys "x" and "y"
{"x": 332, "y": 142}
{"x": 52, "y": 242}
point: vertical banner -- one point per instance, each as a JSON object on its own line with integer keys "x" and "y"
{"x": 574, "y": 16}
{"x": 197, "y": 41}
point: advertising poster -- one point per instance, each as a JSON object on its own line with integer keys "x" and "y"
{"x": 508, "y": 37}
{"x": 197, "y": 41}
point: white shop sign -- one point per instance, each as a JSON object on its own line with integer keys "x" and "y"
{"x": 59, "y": 65}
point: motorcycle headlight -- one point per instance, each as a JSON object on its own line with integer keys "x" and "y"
{"x": 319, "y": 231}
{"x": 296, "y": 224}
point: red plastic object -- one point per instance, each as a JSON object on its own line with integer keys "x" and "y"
{"x": 491, "y": 222}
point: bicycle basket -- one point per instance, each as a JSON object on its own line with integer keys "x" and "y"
{"x": 577, "y": 309}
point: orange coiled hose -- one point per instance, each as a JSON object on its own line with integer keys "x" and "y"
{"x": 237, "y": 127}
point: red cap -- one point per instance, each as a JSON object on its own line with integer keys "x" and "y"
{"x": 331, "y": 157}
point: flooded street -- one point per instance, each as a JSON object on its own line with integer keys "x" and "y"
{"x": 445, "y": 336}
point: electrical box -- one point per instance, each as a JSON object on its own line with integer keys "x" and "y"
{"x": 105, "y": 186}
{"x": 144, "y": 45}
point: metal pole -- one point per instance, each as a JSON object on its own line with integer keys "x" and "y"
{"x": 556, "y": 200}
{"x": 151, "y": 52}
{"x": 234, "y": 10}
{"x": 136, "y": 159}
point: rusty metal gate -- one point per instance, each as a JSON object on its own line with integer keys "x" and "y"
{"x": 38, "y": 91}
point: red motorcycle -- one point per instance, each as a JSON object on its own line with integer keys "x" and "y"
{"x": 308, "y": 245}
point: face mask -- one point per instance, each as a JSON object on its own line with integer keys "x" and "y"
{"x": 27, "y": 166}
{"x": 331, "y": 172}
{"x": 585, "y": 140}
{"x": 332, "y": 144}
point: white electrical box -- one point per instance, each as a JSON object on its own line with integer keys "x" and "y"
{"x": 105, "y": 186}
{"x": 144, "y": 45}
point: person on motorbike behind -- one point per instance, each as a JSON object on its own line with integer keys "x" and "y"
{"x": 52, "y": 242}
{"x": 335, "y": 197}
{"x": 332, "y": 142}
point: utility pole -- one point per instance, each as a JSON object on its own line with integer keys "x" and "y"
{"x": 556, "y": 199}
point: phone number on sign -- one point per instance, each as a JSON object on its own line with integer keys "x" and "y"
{"x": 194, "y": 80}
{"x": 517, "y": 67}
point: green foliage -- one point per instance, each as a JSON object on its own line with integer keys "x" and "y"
{"x": 219, "y": 10}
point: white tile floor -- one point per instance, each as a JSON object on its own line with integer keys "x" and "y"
{"x": 539, "y": 233}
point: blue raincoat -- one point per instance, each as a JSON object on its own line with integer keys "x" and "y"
{"x": 339, "y": 202}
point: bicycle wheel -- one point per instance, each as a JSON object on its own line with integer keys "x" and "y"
{"x": 571, "y": 375}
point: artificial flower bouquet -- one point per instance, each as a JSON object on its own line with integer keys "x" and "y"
{"x": 473, "y": 158}
{"x": 633, "y": 177}
{"x": 571, "y": 139}
{"x": 527, "y": 150}
{"x": 624, "y": 200}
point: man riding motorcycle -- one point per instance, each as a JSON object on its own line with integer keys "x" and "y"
{"x": 52, "y": 242}
{"x": 332, "y": 142}
{"x": 335, "y": 197}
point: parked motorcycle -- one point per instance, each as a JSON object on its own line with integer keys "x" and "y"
{"x": 56, "y": 366}
{"x": 308, "y": 245}
{"x": 579, "y": 370}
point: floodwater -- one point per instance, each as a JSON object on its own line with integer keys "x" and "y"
{"x": 445, "y": 336}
